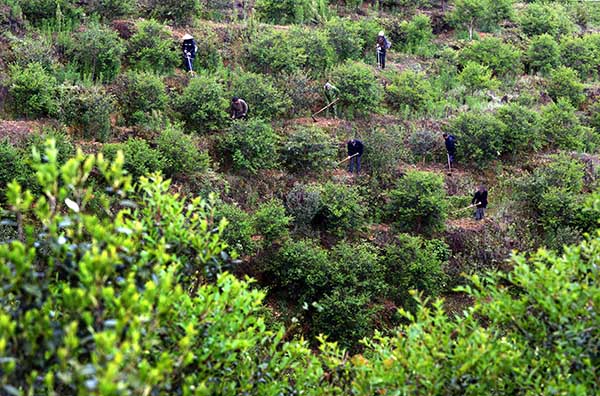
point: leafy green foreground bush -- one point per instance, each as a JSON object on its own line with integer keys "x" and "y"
{"x": 123, "y": 304}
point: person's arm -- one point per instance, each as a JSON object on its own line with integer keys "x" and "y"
{"x": 361, "y": 149}
{"x": 245, "y": 107}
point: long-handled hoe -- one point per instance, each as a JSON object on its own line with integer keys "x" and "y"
{"x": 323, "y": 109}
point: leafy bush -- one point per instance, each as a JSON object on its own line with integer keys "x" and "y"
{"x": 543, "y": 53}
{"x": 263, "y": 98}
{"x": 523, "y": 132}
{"x": 480, "y": 137}
{"x": 562, "y": 126}
{"x": 252, "y": 145}
{"x": 140, "y": 158}
{"x": 320, "y": 55}
{"x": 576, "y": 54}
{"x": 152, "y": 48}
{"x": 287, "y": 11}
{"x": 476, "y": 14}
{"x": 360, "y": 93}
{"x": 33, "y": 91}
{"x": 476, "y": 77}
{"x": 45, "y": 11}
{"x": 564, "y": 83}
{"x": 418, "y": 203}
{"x": 413, "y": 263}
{"x": 208, "y": 56}
{"x": 346, "y": 39}
{"x": 303, "y": 204}
{"x": 203, "y": 104}
{"x": 545, "y": 18}
{"x": 409, "y": 92}
{"x": 110, "y": 9}
{"x": 139, "y": 94}
{"x": 342, "y": 209}
{"x": 426, "y": 144}
{"x": 271, "y": 52}
{"x": 62, "y": 142}
{"x": 32, "y": 49}
{"x": 503, "y": 59}
{"x": 384, "y": 149}
{"x": 87, "y": 110}
{"x": 416, "y": 34}
{"x": 238, "y": 235}
{"x": 181, "y": 155}
{"x": 96, "y": 52}
{"x": 271, "y": 221}
{"x": 308, "y": 149}
{"x": 301, "y": 90}
{"x": 172, "y": 11}
{"x": 12, "y": 165}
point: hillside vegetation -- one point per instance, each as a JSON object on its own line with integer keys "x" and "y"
{"x": 152, "y": 245}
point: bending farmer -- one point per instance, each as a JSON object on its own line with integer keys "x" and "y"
{"x": 331, "y": 94}
{"x": 382, "y": 46}
{"x": 239, "y": 108}
{"x": 189, "y": 49}
{"x": 480, "y": 200}
{"x": 355, "y": 150}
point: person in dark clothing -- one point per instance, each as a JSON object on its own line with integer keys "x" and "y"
{"x": 239, "y": 108}
{"x": 480, "y": 200}
{"x": 189, "y": 49}
{"x": 450, "y": 146}
{"x": 382, "y": 45}
{"x": 355, "y": 147}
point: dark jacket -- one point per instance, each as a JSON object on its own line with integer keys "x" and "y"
{"x": 189, "y": 47}
{"x": 450, "y": 144}
{"x": 240, "y": 109}
{"x": 355, "y": 148}
{"x": 481, "y": 197}
{"x": 382, "y": 44}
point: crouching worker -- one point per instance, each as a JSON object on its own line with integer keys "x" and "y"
{"x": 355, "y": 151}
{"x": 239, "y": 108}
{"x": 189, "y": 49}
{"x": 480, "y": 200}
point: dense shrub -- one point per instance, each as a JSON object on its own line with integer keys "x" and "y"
{"x": 562, "y": 127}
{"x": 152, "y": 48}
{"x": 413, "y": 263}
{"x": 384, "y": 150}
{"x": 282, "y": 11}
{"x": 238, "y": 235}
{"x": 523, "y": 132}
{"x": 271, "y": 221}
{"x": 418, "y": 203}
{"x": 44, "y": 11}
{"x": 252, "y": 145}
{"x": 576, "y": 54}
{"x": 62, "y": 142}
{"x": 303, "y": 204}
{"x": 263, "y": 98}
{"x": 426, "y": 144}
{"x": 540, "y": 18}
{"x": 342, "y": 209}
{"x": 33, "y": 91}
{"x": 12, "y": 165}
{"x": 181, "y": 155}
{"x": 409, "y": 92}
{"x": 140, "y": 158}
{"x": 415, "y": 35}
{"x": 110, "y": 9}
{"x": 360, "y": 93}
{"x": 173, "y": 11}
{"x": 477, "y": 14}
{"x": 203, "y": 105}
{"x": 302, "y": 91}
{"x": 543, "y": 53}
{"x": 480, "y": 137}
{"x": 476, "y": 77}
{"x": 96, "y": 52}
{"x": 308, "y": 149}
{"x": 503, "y": 59}
{"x": 272, "y": 52}
{"x": 32, "y": 49}
{"x": 87, "y": 110}
{"x": 139, "y": 94}
{"x": 209, "y": 45}
{"x": 564, "y": 83}
{"x": 344, "y": 36}
{"x": 320, "y": 55}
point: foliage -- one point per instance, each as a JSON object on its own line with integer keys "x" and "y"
{"x": 308, "y": 149}
{"x": 545, "y": 18}
{"x": 202, "y": 105}
{"x": 271, "y": 221}
{"x": 110, "y": 9}
{"x": 173, "y": 11}
{"x": 239, "y": 235}
{"x": 208, "y": 56}
{"x": 283, "y": 11}
{"x": 384, "y": 149}
{"x": 33, "y": 90}
{"x": 302, "y": 91}
{"x": 32, "y": 49}
{"x": 62, "y": 142}
{"x": 320, "y": 55}
{"x": 181, "y": 155}
{"x": 413, "y": 263}
{"x": 96, "y": 52}
{"x": 272, "y": 52}
{"x": 152, "y": 48}
{"x": 480, "y": 137}
{"x": 342, "y": 209}
{"x": 12, "y": 165}
{"x": 522, "y": 133}
{"x": 409, "y": 92}
{"x": 418, "y": 203}
{"x": 502, "y": 58}
{"x": 577, "y": 54}
{"x": 44, "y": 11}
{"x": 425, "y": 143}
{"x": 476, "y": 77}
{"x": 263, "y": 98}
{"x": 543, "y": 53}
{"x": 360, "y": 93}
{"x": 564, "y": 83}
{"x": 88, "y": 110}
{"x": 139, "y": 94}
{"x": 303, "y": 204}
{"x": 345, "y": 38}
{"x": 416, "y": 34}
{"x": 140, "y": 158}
{"x": 252, "y": 145}
{"x": 562, "y": 126}
{"x": 474, "y": 14}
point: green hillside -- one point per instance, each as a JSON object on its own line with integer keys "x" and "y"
{"x": 299, "y": 197}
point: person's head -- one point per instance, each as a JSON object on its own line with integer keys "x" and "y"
{"x": 327, "y": 85}
{"x": 445, "y": 135}
{"x": 235, "y": 99}
{"x": 187, "y": 37}
{"x": 381, "y": 34}
{"x": 481, "y": 188}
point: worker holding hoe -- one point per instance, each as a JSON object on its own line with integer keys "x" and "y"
{"x": 331, "y": 94}
{"x": 480, "y": 200}
{"x": 355, "y": 151}
{"x": 382, "y": 45}
{"x": 239, "y": 108}
{"x": 189, "y": 48}
{"x": 450, "y": 142}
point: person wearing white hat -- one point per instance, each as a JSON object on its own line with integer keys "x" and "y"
{"x": 383, "y": 44}
{"x": 189, "y": 49}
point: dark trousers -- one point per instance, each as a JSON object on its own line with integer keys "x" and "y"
{"x": 451, "y": 156}
{"x": 381, "y": 58}
{"x": 354, "y": 164}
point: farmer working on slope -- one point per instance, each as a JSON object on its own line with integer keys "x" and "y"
{"x": 189, "y": 49}
{"x": 331, "y": 94}
{"x": 355, "y": 148}
{"x": 239, "y": 108}
{"x": 480, "y": 200}
{"x": 450, "y": 146}
{"x": 382, "y": 46}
